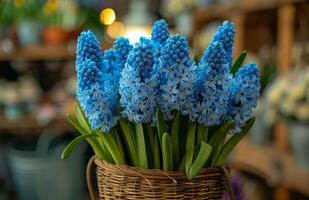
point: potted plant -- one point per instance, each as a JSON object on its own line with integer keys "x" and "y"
{"x": 62, "y": 19}
{"x": 6, "y": 17}
{"x": 288, "y": 99}
{"x": 158, "y": 122}
{"x": 27, "y": 14}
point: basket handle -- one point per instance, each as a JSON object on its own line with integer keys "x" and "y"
{"x": 228, "y": 186}
{"x": 89, "y": 172}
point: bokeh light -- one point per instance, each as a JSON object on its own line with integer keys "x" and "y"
{"x": 133, "y": 33}
{"x": 107, "y": 16}
{"x": 115, "y": 30}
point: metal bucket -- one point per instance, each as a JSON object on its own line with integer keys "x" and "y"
{"x": 43, "y": 175}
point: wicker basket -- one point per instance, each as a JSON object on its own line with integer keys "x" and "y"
{"x": 124, "y": 182}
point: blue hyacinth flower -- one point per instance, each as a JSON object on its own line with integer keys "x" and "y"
{"x": 97, "y": 98}
{"x": 114, "y": 60}
{"x": 138, "y": 86}
{"x": 160, "y": 32}
{"x": 212, "y": 87}
{"x": 225, "y": 34}
{"x": 88, "y": 47}
{"x": 177, "y": 77}
{"x": 121, "y": 48}
{"x": 108, "y": 66}
{"x": 244, "y": 93}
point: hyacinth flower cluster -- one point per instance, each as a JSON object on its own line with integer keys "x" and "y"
{"x": 149, "y": 105}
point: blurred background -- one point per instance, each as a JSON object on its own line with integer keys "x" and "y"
{"x": 37, "y": 87}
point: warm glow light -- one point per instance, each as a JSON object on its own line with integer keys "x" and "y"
{"x": 133, "y": 33}
{"x": 116, "y": 29}
{"x": 107, "y": 16}
{"x": 19, "y": 3}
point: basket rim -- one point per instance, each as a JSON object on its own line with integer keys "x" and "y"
{"x": 157, "y": 173}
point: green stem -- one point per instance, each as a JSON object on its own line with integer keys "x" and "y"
{"x": 201, "y": 158}
{"x": 92, "y": 141}
{"x": 160, "y": 125}
{"x": 190, "y": 145}
{"x": 141, "y": 148}
{"x": 205, "y": 134}
{"x": 111, "y": 147}
{"x": 167, "y": 153}
{"x": 150, "y": 145}
{"x": 118, "y": 142}
{"x": 199, "y": 136}
{"x": 175, "y": 138}
{"x": 156, "y": 157}
{"x": 127, "y": 133}
{"x": 232, "y": 142}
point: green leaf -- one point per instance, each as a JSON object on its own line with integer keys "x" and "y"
{"x": 111, "y": 147}
{"x": 217, "y": 152}
{"x": 205, "y": 134}
{"x": 75, "y": 123}
{"x": 190, "y": 145}
{"x": 160, "y": 124}
{"x": 202, "y": 134}
{"x": 72, "y": 145}
{"x": 129, "y": 140}
{"x": 232, "y": 142}
{"x": 220, "y": 134}
{"x": 80, "y": 115}
{"x": 118, "y": 141}
{"x": 167, "y": 154}
{"x": 182, "y": 138}
{"x": 156, "y": 151}
{"x": 92, "y": 141}
{"x": 141, "y": 147}
{"x": 199, "y": 136}
{"x": 150, "y": 143}
{"x": 200, "y": 160}
{"x": 238, "y": 63}
{"x": 182, "y": 164}
{"x": 219, "y": 137}
{"x": 175, "y": 138}
{"x": 83, "y": 121}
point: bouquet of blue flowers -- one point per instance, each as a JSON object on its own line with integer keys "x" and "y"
{"x": 149, "y": 105}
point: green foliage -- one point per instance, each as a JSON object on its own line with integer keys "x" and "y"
{"x": 63, "y": 14}
{"x": 200, "y": 160}
{"x": 167, "y": 152}
{"x": 238, "y": 62}
{"x": 28, "y": 10}
{"x": 190, "y": 146}
{"x": 232, "y": 142}
{"x": 71, "y": 146}
{"x": 6, "y": 12}
{"x": 141, "y": 153}
{"x": 148, "y": 147}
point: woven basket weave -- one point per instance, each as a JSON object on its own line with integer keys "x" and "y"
{"x": 124, "y": 182}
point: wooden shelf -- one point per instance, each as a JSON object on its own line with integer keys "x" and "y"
{"x": 31, "y": 126}
{"x": 275, "y": 166}
{"x": 26, "y": 123}
{"x": 36, "y": 53}
{"x": 227, "y": 11}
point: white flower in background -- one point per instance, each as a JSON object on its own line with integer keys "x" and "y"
{"x": 288, "y": 107}
{"x": 174, "y": 7}
{"x": 277, "y": 90}
{"x": 297, "y": 92}
{"x": 288, "y": 97}
{"x": 302, "y": 111}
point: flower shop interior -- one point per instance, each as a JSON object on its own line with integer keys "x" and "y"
{"x": 38, "y": 66}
